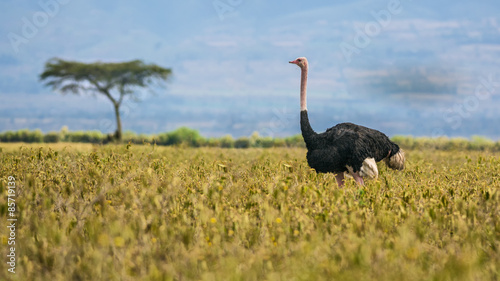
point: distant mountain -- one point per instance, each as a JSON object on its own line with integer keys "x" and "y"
{"x": 417, "y": 67}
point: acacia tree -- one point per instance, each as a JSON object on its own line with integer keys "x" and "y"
{"x": 113, "y": 80}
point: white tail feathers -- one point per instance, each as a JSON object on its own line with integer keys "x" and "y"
{"x": 369, "y": 169}
{"x": 397, "y": 161}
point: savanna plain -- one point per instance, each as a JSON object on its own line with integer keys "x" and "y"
{"x": 143, "y": 212}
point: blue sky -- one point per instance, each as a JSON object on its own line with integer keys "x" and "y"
{"x": 421, "y": 68}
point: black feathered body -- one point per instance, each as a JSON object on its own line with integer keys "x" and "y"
{"x": 343, "y": 145}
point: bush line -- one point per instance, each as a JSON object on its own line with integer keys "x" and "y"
{"x": 187, "y": 137}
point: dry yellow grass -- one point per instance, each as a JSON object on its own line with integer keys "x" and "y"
{"x": 147, "y": 213}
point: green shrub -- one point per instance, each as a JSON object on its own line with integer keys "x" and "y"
{"x": 7, "y": 136}
{"x": 279, "y": 143}
{"x": 295, "y": 141}
{"x": 480, "y": 143}
{"x": 51, "y": 137}
{"x": 226, "y": 141}
{"x": 264, "y": 142}
{"x": 180, "y": 136}
{"x": 242, "y": 142}
{"x": 86, "y": 137}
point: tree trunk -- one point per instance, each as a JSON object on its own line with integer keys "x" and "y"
{"x": 118, "y": 133}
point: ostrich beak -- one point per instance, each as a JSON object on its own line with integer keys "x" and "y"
{"x": 293, "y": 61}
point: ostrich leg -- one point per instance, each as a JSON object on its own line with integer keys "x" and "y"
{"x": 358, "y": 178}
{"x": 340, "y": 179}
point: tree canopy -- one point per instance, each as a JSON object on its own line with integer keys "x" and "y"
{"x": 103, "y": 78}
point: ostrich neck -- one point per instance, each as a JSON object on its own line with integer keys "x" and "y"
{"x": 307, "y": 132}
{"x": 303, "y": 88}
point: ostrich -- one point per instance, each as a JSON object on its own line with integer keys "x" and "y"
{"x": 346, "y": 147}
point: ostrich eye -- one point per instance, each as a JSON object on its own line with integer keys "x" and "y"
{"x": 299, "y": 60}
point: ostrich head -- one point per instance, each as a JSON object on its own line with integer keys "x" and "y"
{"x": 301, "y": 62}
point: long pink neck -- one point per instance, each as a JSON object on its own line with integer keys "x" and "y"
{"x": 303, "y": 88}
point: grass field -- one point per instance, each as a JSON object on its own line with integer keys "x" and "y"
{"x": 162, "y": 213}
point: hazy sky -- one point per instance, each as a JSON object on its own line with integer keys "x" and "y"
{"x": 403, "y": 67}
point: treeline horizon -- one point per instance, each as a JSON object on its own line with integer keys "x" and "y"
{"x": 188, "y": 137}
